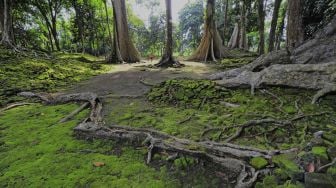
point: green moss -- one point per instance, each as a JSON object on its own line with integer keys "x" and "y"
{"x": 320, "y": 152}
{"x": 286, "y": 162}
{"x": 37, "y": 151}
{"x": 258, "y": 162}
{"x": 186, "y": 93}
{"x": 38, "y": 74}
{"x": 268, "y": 182}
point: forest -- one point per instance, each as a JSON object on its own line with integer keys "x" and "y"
{"x": 168, "y": 93}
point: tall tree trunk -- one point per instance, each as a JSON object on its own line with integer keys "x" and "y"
{"x": 79, "y": 23}
{"x": 211, "y": 46}
{"x": 50, "y": 39}
{"x": 274, "y": 22}
{"x": 261, "y": 27}
{"x": 281, "y": 26}
{"x": 108, "y": 23}
{"x": 243, "y": 37}
{"x": 295, "y": 32}
{"x": 54, "y": 33}
{"x": 167, "y": 59}
{"x": 124, "y": 44}
{"x": 225, "y": 10}
{"x": 6, "y": 38}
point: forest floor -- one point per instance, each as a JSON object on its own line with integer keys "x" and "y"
{"x": 37, "y": 150}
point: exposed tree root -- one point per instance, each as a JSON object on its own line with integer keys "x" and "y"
{"x": 75, "y": 112}
{"x": 11, "y": 106}
{"x": 230, "y": 157}
{"x": 327, "y": 165}
{"x": 186, "y": 119}
{"x": 253, "y": 123}
{"x": 169, "y": 62}
{"x": 310, "y": 66}
{"x": 323, "y": 92}
{"x": 142, "y": 81}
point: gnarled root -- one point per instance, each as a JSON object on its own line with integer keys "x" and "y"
{"x": 230, "y": 157}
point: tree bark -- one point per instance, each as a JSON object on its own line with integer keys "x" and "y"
{"x": 108, "y": 23}
{"x": 261, "y": 27}
{"x": 168, "y": 60}
{"x": 211, "y": 46}
{"x": 310, "y": 66}
{"x": 226, "y": 8}
{"x": 243, "y": 37}
{"x": 6, "y": 35}
{"x": 295, "y": 32}
{"x": 274, "y": 22}
{"x": 281, "y": 27}
{"x": 123, "y": 42}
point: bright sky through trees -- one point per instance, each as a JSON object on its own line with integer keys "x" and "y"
{"x": 143, "y": 12}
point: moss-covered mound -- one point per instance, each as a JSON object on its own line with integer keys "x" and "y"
{"x": 187, "y": 93}
{"x": 28, "y": 73}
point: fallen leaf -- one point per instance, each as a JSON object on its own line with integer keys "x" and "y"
{"x": 311, "y": 168}
{"x": 98, "y": 164}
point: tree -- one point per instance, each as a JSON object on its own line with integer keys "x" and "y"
{"x": 124, "y": 49}
{"x": 167, "y": 59}
{"x": 295, "y": 32}
{"x": 190, "y": 24}
{"x": 211, "y": 46}
{"x": 261, "y": 27}
{"x": 243, "y": 37}
{"x": 49, "y": 11}
{"x": 274, "y": 22}
{"x": 6, "y": 23}
{"x": 281, "y": 26}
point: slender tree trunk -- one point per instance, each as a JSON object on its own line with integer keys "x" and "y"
{"x": 281, "y": 26}
{"x": 122, "y": 39}
{"x": 50, "y": 39}
{"x": 226, "y": 2}
{"x": 243, "y": 37}
{"x": 295, "y": 32}
{"x": 211, "y": 46}
{"x": 274, "y": 22}
{"x": 167, "y": 59}
{"x": 261, "y": 24}
{"x": 79, "y": 23}
{"x": 6, "y": 38}
{"x": 108, "y": 23}
{"x": 54, "y": 33}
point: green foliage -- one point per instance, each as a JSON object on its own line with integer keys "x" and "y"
{"x": 320, "y": 152}
{"x": 286, "y": 164}
{"x": 189, "y": 93}
{"x": 37, "y": 151}
{"x": 19, "y": 74}
{"x": 258, "y": 162}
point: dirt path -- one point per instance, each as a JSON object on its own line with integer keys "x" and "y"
{"x": 125, "y": 79}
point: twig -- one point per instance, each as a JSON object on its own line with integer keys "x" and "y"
{"x": 187, "y": 119}
{"x": 122, "y": 96}
{"x": 276, "y": 97}
{"x": 230, "y": 105}
{"x": 252, "y": 123}
{"x": 75, "y": 112}
{"x": 327, "y": 165}
{"x": 202, "y": 103}
{"x": 206, "y": 131}
{"x": 298, "y": 109}
{"x": 14, "y": 106}
{"x": 146, "y": 83}
{"x": 309, "y": 115}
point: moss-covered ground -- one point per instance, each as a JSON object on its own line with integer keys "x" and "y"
{"x": 198, "y": 110}
{"x": 36, "y": 151}
{"x": 30, "y": 73}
